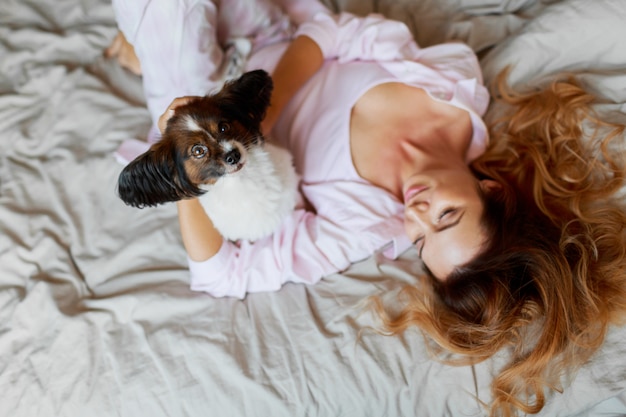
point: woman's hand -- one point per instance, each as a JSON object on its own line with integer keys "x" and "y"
{"x": 171, "y": 109}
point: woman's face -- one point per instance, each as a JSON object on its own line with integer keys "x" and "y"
{"x": 443, "y": 211}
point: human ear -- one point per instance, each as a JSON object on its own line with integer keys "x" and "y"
{"x": 488, "y": 186}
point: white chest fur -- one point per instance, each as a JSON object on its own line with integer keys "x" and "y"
{"x": 252, "y": 202}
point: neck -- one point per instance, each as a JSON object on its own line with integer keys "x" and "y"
{"x": 427, "y": 155}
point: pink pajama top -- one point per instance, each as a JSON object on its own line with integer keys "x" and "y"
{"x": 346, "y": 219}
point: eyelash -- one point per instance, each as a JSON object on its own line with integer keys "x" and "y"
{"x": 419, "y": 239}
{"x": 447, "y": 212}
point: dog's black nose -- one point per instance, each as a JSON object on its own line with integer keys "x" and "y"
{"x": 233, "y": 157}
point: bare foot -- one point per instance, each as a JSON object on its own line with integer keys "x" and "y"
{"x": 124, "y": 52}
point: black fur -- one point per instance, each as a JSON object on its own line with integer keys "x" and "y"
{"x": 152, "y": 179}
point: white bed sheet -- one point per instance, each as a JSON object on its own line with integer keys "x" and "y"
{"x": 96, "y": 317}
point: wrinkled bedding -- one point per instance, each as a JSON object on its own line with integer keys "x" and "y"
{"x": 96, "y": 315}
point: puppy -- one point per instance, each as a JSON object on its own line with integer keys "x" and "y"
{"x": 213, "y": 148}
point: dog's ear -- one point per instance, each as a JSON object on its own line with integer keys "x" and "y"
{"x": 155, "y": 178}
{"x": 250, "y": 94}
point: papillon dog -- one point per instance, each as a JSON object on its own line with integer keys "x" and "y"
{"x": 213, "y": 148}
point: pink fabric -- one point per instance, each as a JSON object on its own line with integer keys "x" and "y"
{"x": 346, "y": 219}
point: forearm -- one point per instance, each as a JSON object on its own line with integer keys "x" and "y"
{"x": 200, "y": 238}
{"x": 301, "y": 60}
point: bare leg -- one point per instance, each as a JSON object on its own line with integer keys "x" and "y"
{"x": 124, "y": 52}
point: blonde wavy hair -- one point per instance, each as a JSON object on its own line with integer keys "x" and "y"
{"x": 553, "y": 275}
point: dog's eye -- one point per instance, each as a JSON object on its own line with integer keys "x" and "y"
{"x": 199, "y": 151}
{"x": 223, "y": 127}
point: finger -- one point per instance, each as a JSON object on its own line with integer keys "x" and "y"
{"x": 169, "y": 112}
{"x": 181, "y": 101}
{"x": 162, "y": 123}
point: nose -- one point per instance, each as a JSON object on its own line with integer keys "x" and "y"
{"x": 233, "y": 157}
{"x": 421, "y": 207}
{"x": 419, "y": 214}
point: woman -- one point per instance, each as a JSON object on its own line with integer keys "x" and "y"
{"x": 347, "y": 112}
{"x": 383, "y": 134}
{"x": 552, "y": 276}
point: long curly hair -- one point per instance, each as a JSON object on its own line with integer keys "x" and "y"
{"x": 552, "y": 277}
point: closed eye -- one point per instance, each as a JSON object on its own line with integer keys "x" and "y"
{"x": 454, "y": 220}
{"x": 417, "y": 242}
{"x": 447, "y": 213}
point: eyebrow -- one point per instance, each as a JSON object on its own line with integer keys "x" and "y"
{"x": 446, "y": 227}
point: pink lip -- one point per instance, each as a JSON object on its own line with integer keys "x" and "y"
{"x": 413, "y": 191}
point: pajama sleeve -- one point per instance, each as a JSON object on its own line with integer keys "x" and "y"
{"x": 307, "y": 247}
{"x": 347, "y": 37}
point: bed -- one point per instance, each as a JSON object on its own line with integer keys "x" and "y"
{"x": 96, "y": 315}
